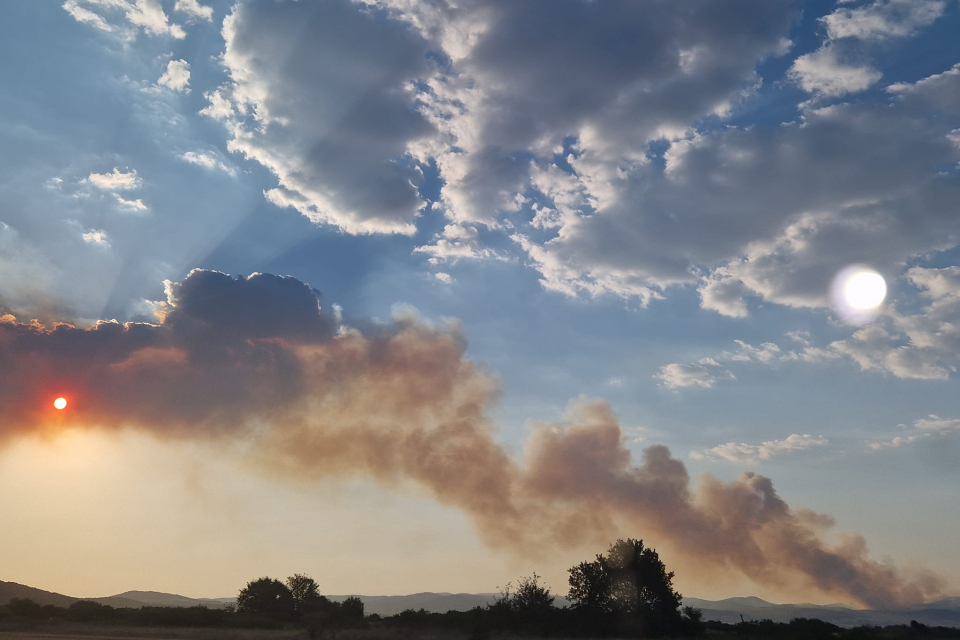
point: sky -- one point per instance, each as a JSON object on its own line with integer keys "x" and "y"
{"x": 423, "y": 295}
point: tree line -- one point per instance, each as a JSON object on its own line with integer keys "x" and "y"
{"x": 625, "y": 593}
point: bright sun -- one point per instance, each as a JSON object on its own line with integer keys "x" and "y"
{"x": 60, "y": 403}
{"x": 857, "y": 293}
{"x": 865, "y": 290}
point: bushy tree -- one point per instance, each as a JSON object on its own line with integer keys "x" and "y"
{"x": 24, "y": 608}
{"x": 532, "y": 597}
{"x": 267, "y": 597}
{"x": 631, "y": 585}
{"x": 305, "y": 592}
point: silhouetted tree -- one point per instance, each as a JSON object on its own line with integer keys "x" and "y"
{"x": 630, "y": 584}
{"x": 351, "y": 610}
{"x": 267, "y": 597}
{"x": 532, "y": 597}
{"x": 305, "y": 592}
{"x": 24, "y": 608}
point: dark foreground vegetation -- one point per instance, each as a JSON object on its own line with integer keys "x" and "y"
{"x": 626, "y": 593}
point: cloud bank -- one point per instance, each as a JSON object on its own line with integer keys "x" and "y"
{"x": 255, "y": 359}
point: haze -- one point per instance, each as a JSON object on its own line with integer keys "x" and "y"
{"x": 423, "y": 296}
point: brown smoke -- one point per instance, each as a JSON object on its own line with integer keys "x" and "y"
{"x": 255, "y": 357}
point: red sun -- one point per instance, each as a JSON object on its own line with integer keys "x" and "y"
{"x": 60, "y": 403}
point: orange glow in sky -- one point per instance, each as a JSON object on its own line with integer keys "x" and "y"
{"x": 60, "y": 403}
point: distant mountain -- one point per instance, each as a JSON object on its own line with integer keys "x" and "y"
{"x": 158, "y": 599}
{"x": 11, "y": 590}
{"x": 942, "y": 613}
{"x": 128, "y": 600}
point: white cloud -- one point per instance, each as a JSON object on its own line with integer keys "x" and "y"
{"x": 219, "y": 107}
{"x": 176, "y": 77}
{"x": 883, "y": 19}
{"x": 443, "y": 277}
{"x": 922, "y": 428}
{"x": 677, "y": 376}
{"x": 934, "y": 422}
{"x": 823, "y": 72}
{"x": 765, "y": 353}
{"x": 131, "y": 205}
{"x": 96, "y": 236}
{"x": 455, "y": 242}
{"x": 743, "y": 452}
{"x": 194, "y": 9}
{"x": 126, "y": 18}
{"x": 116, "y": 180}
{"x": 207, "y": 161}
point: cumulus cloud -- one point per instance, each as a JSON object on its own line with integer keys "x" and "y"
{"x": 194, "y": 9}
{"x": 125, "y": 18}
{"x": 116, "y": 180}
{"x": 96, "y": 236}
{"x": 823, "y": 72}
{"x": 176, "y": 77}
{"x": 743, "y": 452}
{"x": 257, "y": 359}
{"x": 335, "y": 134}
{"x": 883, "y": 19}
{"x": 552, "y": 144}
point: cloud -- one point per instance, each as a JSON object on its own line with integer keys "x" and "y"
{"x": 256, "y": 359}
{"x": 743, "y": 452}
{"x": 443, "y": 277}
{"x": 131, "y": 205}
{"x": 126, "y": 18}
{"x": 335, "y": 134}
{"x": 176, "y": 77}
{"x": 935, "y": 423}
{"x": 678, "y": 376}
{"x": 824, "y": 73}
{"x": 207, "y": 161}
{"x": 921, "y": 429}
{"x": 456, "y": 242}
{"x": 883, "y": 19}
{"x": 116, "y": 180}
{"x": 96, "y": 236}
{"x": 194, "y": 9}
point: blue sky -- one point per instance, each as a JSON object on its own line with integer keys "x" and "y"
{"x": 619, "y": 201}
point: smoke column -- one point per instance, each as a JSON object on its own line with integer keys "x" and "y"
{"x": 255, "y": 358}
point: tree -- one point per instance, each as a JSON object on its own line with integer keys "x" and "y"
{"x": 531, "y": 596}
{"x": 267, "y": 597}
{"x": 305, "y": 592}
{"x": 351, "y": 610}
{"x": 630, "y": 584}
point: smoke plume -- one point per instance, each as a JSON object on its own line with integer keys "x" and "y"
{"x": 256, "y": 358}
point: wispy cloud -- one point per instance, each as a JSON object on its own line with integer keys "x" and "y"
{"x": 207, "y": 161}
{"x": 744, "y": 452}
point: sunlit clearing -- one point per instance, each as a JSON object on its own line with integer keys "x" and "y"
{"x": 60, "y": 403}
{"x": 857, "y": 293}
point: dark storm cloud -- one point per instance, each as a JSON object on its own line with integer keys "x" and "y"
{"x": 256, "y": 359}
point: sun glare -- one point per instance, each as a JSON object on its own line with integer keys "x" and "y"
{"x": 60, "y": 403}
{"x": 865, "y": 290}
{"x": 857, "y": 294}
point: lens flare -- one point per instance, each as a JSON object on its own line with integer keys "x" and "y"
{"x": 60, "y": 403}
{"x": 857, "y": 294}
